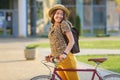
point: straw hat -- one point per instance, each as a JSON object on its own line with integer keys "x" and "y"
{"x": 58, "y": 6}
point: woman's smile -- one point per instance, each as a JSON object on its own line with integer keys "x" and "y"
{"x": 58, "y": 17}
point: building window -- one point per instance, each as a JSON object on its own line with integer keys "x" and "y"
{"x": 87, "y": 2}
{"x": 70, "y": 4}
{"x": 39, "y": 9}
{"x": 99, "y": 2}
{"x": 6, "y": 4}
{"x": 87, "y": 17}
{"x": 113, "y": 17}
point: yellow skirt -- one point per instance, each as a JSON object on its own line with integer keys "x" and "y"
{"x": 69, "y": 62}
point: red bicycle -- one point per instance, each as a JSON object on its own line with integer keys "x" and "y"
{"x": 96, "y": 75}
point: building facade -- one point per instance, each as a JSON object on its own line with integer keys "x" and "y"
{"x": 100, "y": 17}
{"x": 15, "y": 17}
{"x": 13, "y": 20}
{"x": 95, "y": 17}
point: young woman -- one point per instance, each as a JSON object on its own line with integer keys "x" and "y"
{"x": 59, "y": 48}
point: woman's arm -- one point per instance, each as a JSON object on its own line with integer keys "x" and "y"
{"x": 69, "y": 46}
{"x": 71, "y": 41}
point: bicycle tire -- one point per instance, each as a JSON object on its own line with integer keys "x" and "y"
{"x": 111, "y": 77}
{"x": 41, "y": 77}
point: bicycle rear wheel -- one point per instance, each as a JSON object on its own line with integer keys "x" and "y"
{"x": 41, "y": 77}
{"x": 112, "y": 77}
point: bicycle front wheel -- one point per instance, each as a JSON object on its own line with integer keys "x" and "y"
{"x": 112, "y": 77}
{"x": 41, "y": 77}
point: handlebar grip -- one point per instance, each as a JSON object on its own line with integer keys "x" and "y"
{"x": 51, "y": 59}
{"x": 54, "y": 60}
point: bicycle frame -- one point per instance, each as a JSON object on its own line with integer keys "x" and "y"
{"x": 84, "y": 70}
{"x": 95, "y": 72}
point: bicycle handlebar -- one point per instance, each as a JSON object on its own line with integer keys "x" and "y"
{"x": 52, "y": 59}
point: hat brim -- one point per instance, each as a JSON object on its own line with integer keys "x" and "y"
{"x": 61, "y": 7}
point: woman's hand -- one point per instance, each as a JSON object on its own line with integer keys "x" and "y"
{"x": 48, "y": 58}
{"x": 62, "y": 57}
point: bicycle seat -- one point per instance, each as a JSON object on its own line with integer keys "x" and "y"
{"x": 100, "y": 60}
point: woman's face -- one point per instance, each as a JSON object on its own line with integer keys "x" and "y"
{"x": 58, "y": 17}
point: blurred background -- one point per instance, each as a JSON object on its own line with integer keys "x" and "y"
{"x": 24, "y": 24}
{"x": 24, "y": 18}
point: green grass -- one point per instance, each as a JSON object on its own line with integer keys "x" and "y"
{"x": 44, "y": 45}
{"x": 36, "y": 45}
{"x": 112, "y": 63}
{"x": 100, "y": 44}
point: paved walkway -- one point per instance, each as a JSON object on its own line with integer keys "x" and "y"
{"x": 13, "y": 65}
